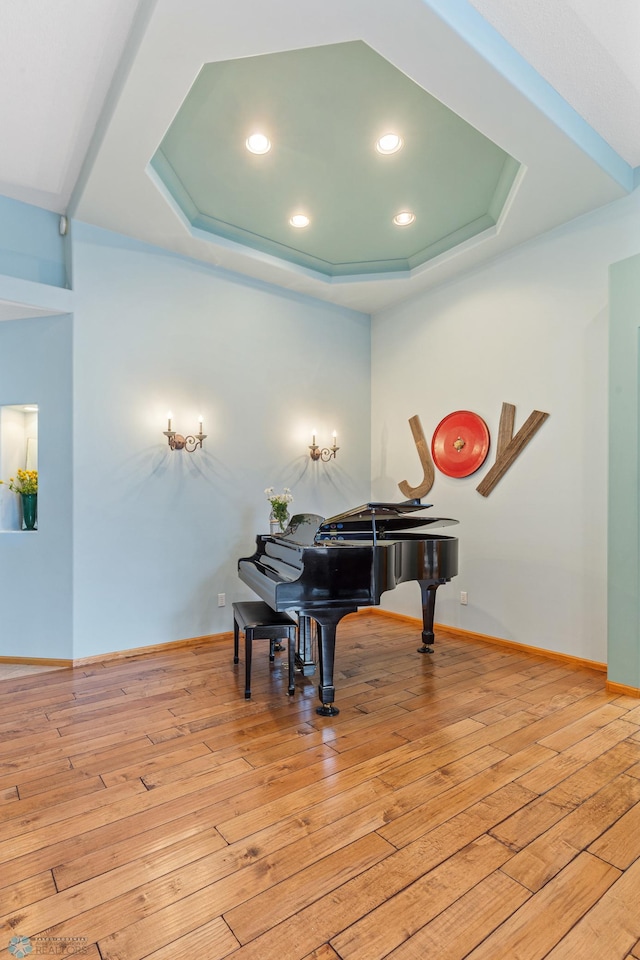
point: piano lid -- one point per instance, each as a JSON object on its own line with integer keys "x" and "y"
{"x": 380, "y": 518}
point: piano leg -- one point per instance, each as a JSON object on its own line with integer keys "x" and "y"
{"x": 428, "y": 590}
{"x": 305, "y": 655}
{"x": 327, "y": 621}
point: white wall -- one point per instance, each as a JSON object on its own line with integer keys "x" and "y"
{"x": 158, "y": 533}
{"x": 35, "y": 567}
{"x": 529, "y": 329}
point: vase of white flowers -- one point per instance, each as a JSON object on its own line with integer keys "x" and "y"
{"x": 279, "y": 509}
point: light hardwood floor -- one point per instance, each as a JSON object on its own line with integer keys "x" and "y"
{"x": 475, "y": 803}
{"x": 10, "y": 670}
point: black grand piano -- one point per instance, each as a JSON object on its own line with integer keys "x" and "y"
{"x": 325, "y": 569}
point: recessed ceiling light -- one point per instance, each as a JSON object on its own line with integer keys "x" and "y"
{"x": 404, "y": 218}
{"x": 299, "y": 220}
{"x": 258, "y": 143}
{"x": 389, "y": 143}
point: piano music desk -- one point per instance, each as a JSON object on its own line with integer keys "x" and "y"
{"x": 259, "y": 622}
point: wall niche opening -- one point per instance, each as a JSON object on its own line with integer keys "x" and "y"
{"x": 18, "y": 452}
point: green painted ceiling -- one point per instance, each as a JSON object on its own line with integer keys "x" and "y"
{"x": 323, "y": 108}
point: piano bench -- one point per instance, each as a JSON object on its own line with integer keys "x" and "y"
{"x": 259, "y": 622}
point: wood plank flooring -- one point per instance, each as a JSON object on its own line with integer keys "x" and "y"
{"x": 9, "y": 671}
{"x": 477, "y": 803}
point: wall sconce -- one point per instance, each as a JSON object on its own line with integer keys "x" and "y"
{"x": 323, "y": 453}
{"x": 178, "y": 442}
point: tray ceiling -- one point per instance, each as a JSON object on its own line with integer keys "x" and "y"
{"x": 323, "y": 111}
{"x": 92, "y": 103}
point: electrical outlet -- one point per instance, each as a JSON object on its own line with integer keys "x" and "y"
{"x": 221, "y": 599}
{"x": 463, "y": 597}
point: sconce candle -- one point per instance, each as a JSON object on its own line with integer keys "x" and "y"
{"x": 189, "y": 443}
{"x": 324, "y": 453}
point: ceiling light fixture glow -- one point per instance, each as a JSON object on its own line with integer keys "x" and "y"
{"x": 258, "y": 143}
{"x": 299, "y": 220}
{"x": 389, "y": 143}
{"x": 404, "y": 218}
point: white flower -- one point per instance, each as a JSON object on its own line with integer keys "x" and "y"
{"x": 279, "y": 504}
{"x": 279, "y": 499}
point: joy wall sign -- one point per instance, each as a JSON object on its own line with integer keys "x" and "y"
{"x": 460, "y": 445}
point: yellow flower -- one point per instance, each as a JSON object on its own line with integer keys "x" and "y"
{"x": 26, "y": 482}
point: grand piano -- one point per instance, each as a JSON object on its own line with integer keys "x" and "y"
{"x": 326, "y": 569}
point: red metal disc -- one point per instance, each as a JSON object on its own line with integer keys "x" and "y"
{"x": 460, "y": 444}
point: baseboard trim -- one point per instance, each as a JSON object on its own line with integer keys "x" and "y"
{"x": 37, "y": 661}
{"x": 617, "y": 688}
{"x": 143, "y": 651}
{"x": 499, "y": 642}
{"x": 621, "y": 689}
{"x": 377, "y": 612}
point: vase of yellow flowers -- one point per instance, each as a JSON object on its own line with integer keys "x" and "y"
{"x": 25, "y": 483}
{"x": 279, "y": 509}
